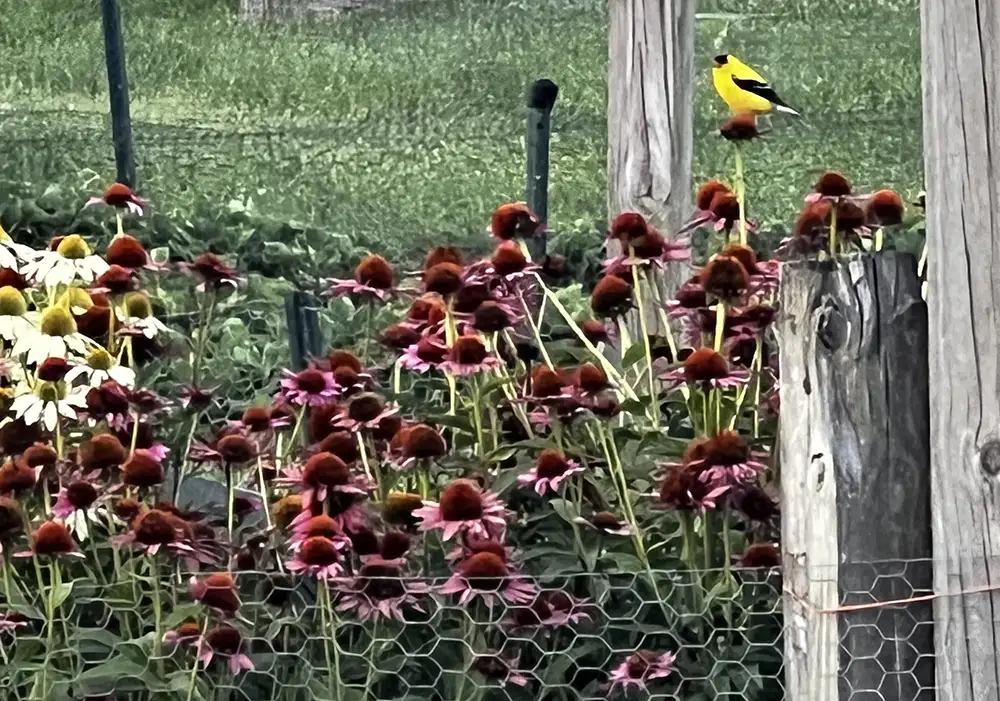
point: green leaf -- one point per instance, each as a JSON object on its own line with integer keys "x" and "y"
{"x": 62, "y": 593}
{"x": 565, "y": 509}
{"x": 633, "y": 355}
{"x": 501, "y": 454}
{"x": 117, "y": 674}
{"x": 182, "y": 613}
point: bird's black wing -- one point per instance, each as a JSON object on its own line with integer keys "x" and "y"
{"x": 761, "y": 90}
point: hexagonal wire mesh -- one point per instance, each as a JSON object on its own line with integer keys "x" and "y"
{"x": 697, "y": 635}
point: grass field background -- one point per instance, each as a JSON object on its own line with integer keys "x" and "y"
{"x": 402, "y": 127}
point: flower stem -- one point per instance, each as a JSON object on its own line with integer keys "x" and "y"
{"x": 332, "y": 661}
{"x": 182, "y": 468}
{"x": 299, "y": 420}
{"x": 263, "y": 491}
{"x": 534, "y": 330}
{"x": 230, "y": 502}
{"x": 369, "y": 317}
{"x": 608, "y": 368}
{"x": 654, "y": 408}
{"x": 154, "y": 573}
{"x": 194, "y": 665}
{"x": 720, "y": 324}
{"x": 477, "y": 417}
{"x": 199, "y": 354}
{"x": 741, "y": 195}
{"x": 834, "y": 243}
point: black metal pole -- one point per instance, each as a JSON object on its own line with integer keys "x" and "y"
{"x": 121, "y": 121}
{"x": 541, "y": 98}
{"x": 296, "y": 332}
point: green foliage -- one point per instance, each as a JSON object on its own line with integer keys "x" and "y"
{"x": 403, "y": 126}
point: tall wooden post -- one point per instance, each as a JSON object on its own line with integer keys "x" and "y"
{"x": 961, "y": 72}
{"x": 121, "y": 119}
{"x": 651, "y": 125}
{"x": 651, "y": 110}
{"x": 855, "y": 480}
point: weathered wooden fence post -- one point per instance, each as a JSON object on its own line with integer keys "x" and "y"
{"x": 961, "y": 109}
{"x": 651, "y": 126}
{"x": 541, "y": 98}
{"x": 855, "y": 480}
{"x": 121, "y": 120}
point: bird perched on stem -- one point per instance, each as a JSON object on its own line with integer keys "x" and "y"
{"x": 743, "y": 89}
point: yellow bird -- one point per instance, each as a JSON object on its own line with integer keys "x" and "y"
{"x": 743, "y": 89}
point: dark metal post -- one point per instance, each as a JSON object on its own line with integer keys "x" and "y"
{"x": 541, "y": 99}
{"x": 305, "y": 337}
{"x": 121, "y": 121}
{"x": 296, "y": 330}
{"x": 313, "y": 333}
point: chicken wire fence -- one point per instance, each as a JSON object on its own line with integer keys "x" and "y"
{"x": 380, "y": 635}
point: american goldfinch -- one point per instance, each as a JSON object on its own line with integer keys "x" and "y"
{"x": 743, "y": 89}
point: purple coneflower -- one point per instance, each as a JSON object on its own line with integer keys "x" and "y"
{"x": 683, "y": 489}
{"x": 154, "y": 530}
{"x": 52, "y": 539}
{"x": 464, "y": 508}
{"x": 217, "y": 591}
{"x": 213, "y": 273}
{"x": 727, "y": 460}
{"x": 379, "y": 590}
{"x": 304, "y": 528}
{"x": 226, "y": 642}
{"x": 80, "y": 502}
{"x": 427, "y": 354}
{"x": 469, "y": 356}
{"x": 119, "y": 196}
{"x": 373, "y": 277}
{"x": 322, "y": 473}
{"x": 607, "y": 523}
{"x": 642, "y": 667}
{"x": 550, "y": 609}
{"x": 311, "y": 387}
{"x": 550, "y": 471}
{"x": 486, "y": 574}
{"x": 499, "y": 670}
{"x": 707, "y": 369}
{"x": 366, "y": 411}
{"x": 318, "y": 556}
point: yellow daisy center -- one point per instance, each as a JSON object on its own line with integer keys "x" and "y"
{"x": 73, "y": 246}
{"x": 76, "y": 297}
{"x": 100, "y": 359}
{"x": 12, "y": 302}
{"x": 51, "y": 391}
{"x": 138, "y": 306}
{"x": 57, "y": 321}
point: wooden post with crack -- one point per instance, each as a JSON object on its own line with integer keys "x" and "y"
{"x": 855, "y": 480}
{"x": 961, "y": 118}
{"x": 651, "y": 126}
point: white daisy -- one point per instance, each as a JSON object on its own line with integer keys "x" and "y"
{"x": 100, "y": 367}
{"x": 56, "y": 337}
{"x": 138, "y": 316}
{"x": 13, "y": 254}
{"x": 47, "y": 402}
{"x": 15, "y": 320}
{"x": 71, "y": 260}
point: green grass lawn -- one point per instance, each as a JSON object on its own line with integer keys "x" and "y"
{"x": 404, "y": 127}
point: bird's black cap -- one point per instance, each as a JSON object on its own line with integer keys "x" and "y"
{"x": 721, "y": 59}
{"x": 543, "y": 94}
